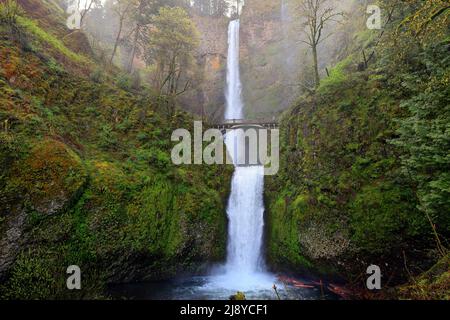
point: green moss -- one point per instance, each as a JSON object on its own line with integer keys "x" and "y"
{"x": 284, "y": 244}
{"x": 32, "y": 27}
{"x": 382, "y": 216}
{"x": 341, "y": 178}
{"x": 338, "y": 74}
{"x": 30, "y": 279}
{"x": 434, "y": 284}
{"x": 88, "y": 165}
{"x": 51, "y": 176}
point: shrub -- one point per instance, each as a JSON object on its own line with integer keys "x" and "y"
{"x": 97, "y": 75}
{"x": 136, "y": 81}
{"x": 124, "y": 82}
{"x": 9, "y": 10}
{"x": 107, "y": 138}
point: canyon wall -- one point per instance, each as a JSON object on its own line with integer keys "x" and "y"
{"x": 270, "y": 62}
{"x": 268, "y": 59}
{"x": 207, "y": 97}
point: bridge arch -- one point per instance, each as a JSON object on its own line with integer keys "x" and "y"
{"x": 244, "y": 124}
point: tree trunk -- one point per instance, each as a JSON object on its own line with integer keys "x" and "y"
{"x": 133, "y": 52}
{"x": 85, "y": 11}
{"x": 119, "y": 33}
{"x": 316, "y": 67}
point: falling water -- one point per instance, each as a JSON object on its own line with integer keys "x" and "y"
{"x": 246, "y": 221}
{"x": 244, "y": 269}
{"x": 234, "y": 87}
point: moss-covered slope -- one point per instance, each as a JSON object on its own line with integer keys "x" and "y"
{"x": 364, "y": 164}
{"x": 86, "y": 177}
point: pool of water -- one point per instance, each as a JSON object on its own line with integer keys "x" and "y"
{"x": 221, "y": 287}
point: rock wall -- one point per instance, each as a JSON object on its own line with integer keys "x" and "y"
{"x": 208, "y": 98}
{"x": 267, "y": 59}
{"x": 269, "y": 62}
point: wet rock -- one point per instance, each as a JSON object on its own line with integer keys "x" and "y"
{"x": 238, "y": 296}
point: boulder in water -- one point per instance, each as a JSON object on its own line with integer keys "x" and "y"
{"x": 238, "y": 296}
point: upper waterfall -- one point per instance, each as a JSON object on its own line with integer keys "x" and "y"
{"x": 234, "y": 108}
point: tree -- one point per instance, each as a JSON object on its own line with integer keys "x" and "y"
{"x": 221, "y": 7}
{"x": 428, "y": 14}
{"x": 84, "y": 6}
{"x": 172, "y": 45}
{"x": 211, "y": 7}
{"x": 122, "y": 8}
{"x": 316, "y": 14}
{"x": 418, "y": 65}
{"x": 143, "y": 11}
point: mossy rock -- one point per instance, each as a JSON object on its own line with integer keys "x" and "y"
{"x": 50, "y": 177}
{"x": 238, "y": 296}
{"x": 431, "y": 285}
{"x": 78, "y": 43}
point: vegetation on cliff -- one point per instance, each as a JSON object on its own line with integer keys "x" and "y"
{"x": 365, "y": 164}
{"x": 86, "y": 177}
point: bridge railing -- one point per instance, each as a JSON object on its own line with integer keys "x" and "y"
{"x": 231, "y": 122}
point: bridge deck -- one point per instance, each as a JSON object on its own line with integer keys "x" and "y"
{"x": 227, "y": 124}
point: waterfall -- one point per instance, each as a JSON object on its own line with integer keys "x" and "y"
{"x": 244, "y": 269}
{"x": 234, "y": 87}
{"x": 246, "y": 221}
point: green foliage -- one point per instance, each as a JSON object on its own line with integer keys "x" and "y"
{"x": 171, "y": 49}
{"x": 284, "y": 243}
{"x": 30, "y": 279}
{"x": 430, "y": 18}
{"x": 9, "y": 11}
{"x": 124, "y": 82}
{"x": 425, "y": 133}
{"x": 32, "y": 27}
{"x": 338, "y": 74}
{"x": 433, "y": 284}
{"x": 383, "y": 215}
{"x": 365, "y": 159}
{"x": 97, "y": 75}
{"x": 136, "y": 81}
{"x": 88, "y": 166}
{"x": 54, "y": 66}
{"x": 107, "y": 138}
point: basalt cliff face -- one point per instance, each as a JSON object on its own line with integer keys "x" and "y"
{"x": 268, "y": 58}
{"x": 208, "y": 99}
